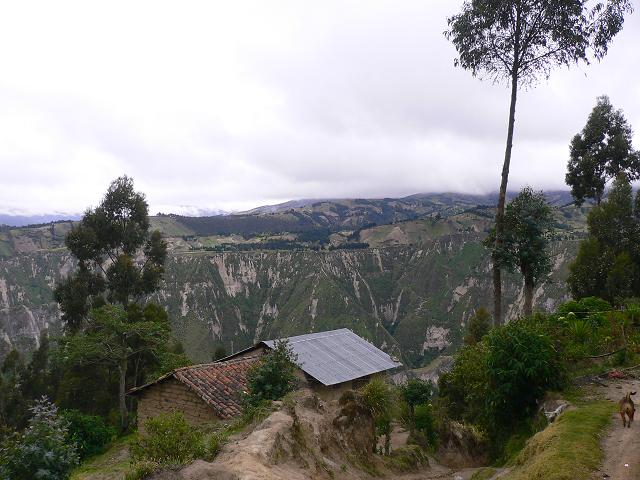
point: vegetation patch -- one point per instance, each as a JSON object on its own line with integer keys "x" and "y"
{"x": 406, "y": 459}
{"x": 111, "y": 465}
{"x": 568, "y": 449}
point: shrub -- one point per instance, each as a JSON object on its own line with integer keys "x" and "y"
{"x": 274, "y": 376}
{"x": 464, "y": 389}
{"x": 406, "y": 459}
{"x": 43, "y": 451}
{"x": 90, "y": 433}
{"x": 142, "y": 469}
{"x": 378, "y": 397}
{"x": 168, "y": 439}
{"x": 522, "y": 365}
{"x": 479, "y": 326}
{"x": 425, "y": 426}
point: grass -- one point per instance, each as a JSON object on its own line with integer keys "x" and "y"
{"x": 111, "y": 465}
{"x": 568, "y": 449}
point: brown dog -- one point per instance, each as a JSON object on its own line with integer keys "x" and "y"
{"x": 627, "y": 409}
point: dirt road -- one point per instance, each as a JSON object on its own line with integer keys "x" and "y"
{"x": 621, "y": 445}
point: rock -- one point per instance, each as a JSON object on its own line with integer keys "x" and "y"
{"x": 553, "y": 408}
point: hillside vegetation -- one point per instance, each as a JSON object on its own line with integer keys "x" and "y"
{"x": 411, "y": 291}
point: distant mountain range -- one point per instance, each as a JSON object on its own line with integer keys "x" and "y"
{"x": 24, "y": 220}
{"x": 344, "y": 212}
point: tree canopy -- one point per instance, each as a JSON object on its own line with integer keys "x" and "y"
{"x": 528, "y": 231}
{"x": 119, "y": 260}
{"x": 112, "y": 339}
{"x": 600, "y": 152}
{"x": 608, "y": 261}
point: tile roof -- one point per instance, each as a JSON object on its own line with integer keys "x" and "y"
{"x": 219, "y": 385}
{"x": 338, "y": 356}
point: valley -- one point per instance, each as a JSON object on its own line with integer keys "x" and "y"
{"x": 408, "y": 285}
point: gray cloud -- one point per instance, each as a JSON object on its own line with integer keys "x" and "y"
{"x": 235, "y": 104}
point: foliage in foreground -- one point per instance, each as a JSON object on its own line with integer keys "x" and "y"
{"x": 274, "y": 376}
{"x": 498, "y": 382}
{"x": 170, "y": 442}
{"x": 168, "y": 438}
{"x": 43, "y": 451}
{"x": 90, "y": 433}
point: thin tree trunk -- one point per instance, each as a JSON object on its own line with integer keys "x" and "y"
{"x": 122, "y": 391}
{"x": 528, "y": 295}
{"x": 387, "y": 443}
{"x": 497, "y": 274}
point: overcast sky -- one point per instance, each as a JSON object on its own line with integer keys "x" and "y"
{"x": 234, "y": 104}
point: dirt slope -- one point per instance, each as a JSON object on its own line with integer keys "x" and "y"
{"x": 621, "y": 445}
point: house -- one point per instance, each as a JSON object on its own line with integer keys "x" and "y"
{"x": 329, "y": 363}
{"x": 203, "y": 393}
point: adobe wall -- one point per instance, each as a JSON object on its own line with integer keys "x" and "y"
{"x": 171, "y": 395}
{"x": 334, "y": 392}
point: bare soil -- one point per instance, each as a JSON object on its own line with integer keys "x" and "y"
{"x": 621, "y": 445}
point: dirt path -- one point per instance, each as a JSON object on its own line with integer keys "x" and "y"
{"x": 621, "y": 445}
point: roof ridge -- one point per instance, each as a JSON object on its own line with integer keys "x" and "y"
{"x": 217, "y": 363}
{"x": 316, "y": 335}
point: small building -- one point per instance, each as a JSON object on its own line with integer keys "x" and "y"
{"x": 329, "y": 363}
{"x": 203, "y": 393}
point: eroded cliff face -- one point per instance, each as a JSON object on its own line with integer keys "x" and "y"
{"x": 412, "y": 301}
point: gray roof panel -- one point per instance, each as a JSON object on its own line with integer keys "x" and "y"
{"x": 337, "y": 356}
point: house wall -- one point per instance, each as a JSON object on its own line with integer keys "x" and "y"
{"x": 171, "y": 395}
{"x": 334, "y": 392}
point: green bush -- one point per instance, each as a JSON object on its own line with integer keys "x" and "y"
{"x": 522, "y": 365}
{"x": 274, "y": 376}
{"x": 89, "y": 432}
{"x": 168, "y": 439}
{"x": 380, "y": 399}
{"x": 498, "y": 382}
{"x": 425, "y": 426}
{"x": 464, "y": 390}
{"x": 43, "y": 451}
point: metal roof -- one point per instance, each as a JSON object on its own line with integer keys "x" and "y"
{"x": 337, "y": 356}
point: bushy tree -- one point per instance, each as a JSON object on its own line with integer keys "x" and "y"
{"x": 42, "y": 451}
{"x": 479, "y": 326}
{"x": 520, "y": 41}
{"x": 119, "y": 260}
{"x": 522, "y": 365}
{"x": 464, "y": 390}
{"x": 601, "y": 152}
{"x": 607, "y": 262}
{"x": 13, "y": 410}
{"x": 497, "y": 383}
{"x": 528, "y": 231}
{"x": 89, "y": 433}
{"x": 275, "y": 374}
{"x": 416, "y": 392}
{"x": 111, "y": 339}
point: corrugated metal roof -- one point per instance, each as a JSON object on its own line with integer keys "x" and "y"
{"x": 337, "y": 356}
